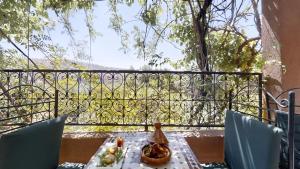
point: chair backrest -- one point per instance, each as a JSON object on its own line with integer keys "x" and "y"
{"x": 33, "y": 147}
{"x": 282, "y": 122}
{"x": 251, "y": 144}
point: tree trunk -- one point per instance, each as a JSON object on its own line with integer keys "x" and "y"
{"x": 200, "y": 24}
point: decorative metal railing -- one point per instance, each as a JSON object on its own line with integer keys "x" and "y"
{"x": 135, "y": 98}
{"x": 25, "y": 104}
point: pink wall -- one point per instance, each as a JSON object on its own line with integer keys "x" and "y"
{"x": 281, "y": 43}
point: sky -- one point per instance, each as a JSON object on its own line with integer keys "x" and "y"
{"x": 105, "y": 48}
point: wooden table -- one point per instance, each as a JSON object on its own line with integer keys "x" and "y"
{"x": 182, "y": 155}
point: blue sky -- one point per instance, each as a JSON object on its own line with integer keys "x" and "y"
{"x": 106, "y": 47}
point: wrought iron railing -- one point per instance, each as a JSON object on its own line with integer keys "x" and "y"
{"x": 23, "y": 105}
{"x": 138, "y": 98}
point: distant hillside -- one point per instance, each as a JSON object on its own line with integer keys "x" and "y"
{"x": 70, "y": 64}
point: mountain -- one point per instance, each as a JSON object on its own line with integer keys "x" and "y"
{"x": 70, "y": 64}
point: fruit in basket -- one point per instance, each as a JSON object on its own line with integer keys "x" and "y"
{"x": 108, "y": 159}
{"x": 155, "y": 151}
{"x": 110, "y": 156}
{"x": 112, "y": 150}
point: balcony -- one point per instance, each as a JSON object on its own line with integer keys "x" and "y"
{"x": 102, "y": 103}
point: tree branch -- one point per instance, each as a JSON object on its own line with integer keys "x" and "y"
{"x": 16, "y": 46}
{"x": 246, "y": 42}
{"x": 256, "y": 16}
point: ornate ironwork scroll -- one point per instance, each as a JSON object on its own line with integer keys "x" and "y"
{"x": 138, "y": 98}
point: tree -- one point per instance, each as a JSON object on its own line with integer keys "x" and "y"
{"x": 209, "y": 33}
{"x": 235, "y": 55}
{"x": 190, "y": 24}
{"x": 33, "y": 31}
{"x": 187, "y": 23}
{"x": 27, "y": 23}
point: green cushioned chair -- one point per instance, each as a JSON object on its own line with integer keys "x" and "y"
{"x": 251, "y": 144}
{"x": 33, "y": 147}
{"x": 282, "y": 122}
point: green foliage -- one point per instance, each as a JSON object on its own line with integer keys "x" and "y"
{"x": 9, "y": 59}
{"x": 151, "y": 14}
{"x": 228, "y": 55}
{"x": 172, "y": 22}
{"x": 20, "y": 19}
{"x": 169, "y": 21}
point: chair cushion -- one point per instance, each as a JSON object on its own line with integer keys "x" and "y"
{"x": 33, "y": 147}
{"x": 282, "y": 122}
{"x": 250, "y": 143}
{"x": 71, "y": 166}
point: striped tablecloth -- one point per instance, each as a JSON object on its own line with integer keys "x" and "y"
{"x": 182, "y": 156}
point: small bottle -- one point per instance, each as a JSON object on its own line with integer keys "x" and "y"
{"x": 120, "y": 142}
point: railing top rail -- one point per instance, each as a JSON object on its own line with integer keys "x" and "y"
{"x": 130, "y": 71}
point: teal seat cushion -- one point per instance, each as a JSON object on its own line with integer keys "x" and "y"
{"x": 282, "y": 122}
{"x": 71, "y": 166}
{"x": 33, "y": 147}
{"x": 250, "y": 143}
